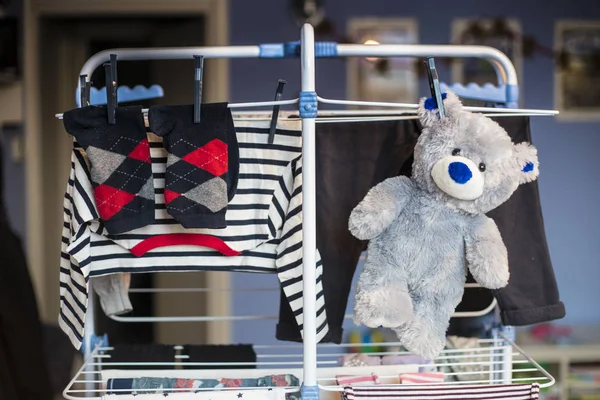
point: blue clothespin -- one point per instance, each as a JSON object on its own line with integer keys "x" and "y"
{"x": 280, "y": 84}
{"x": 198, "y": 69}
{"x": 434, "y": 86}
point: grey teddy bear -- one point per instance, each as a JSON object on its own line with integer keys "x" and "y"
{"x": 424, "y": 232}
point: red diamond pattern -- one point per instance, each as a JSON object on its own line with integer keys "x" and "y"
{"x": 211, "y": 157}
{"x": 141, "y": 151}
{"x": 110, "y": 200}
{"x": 170, "y": 196}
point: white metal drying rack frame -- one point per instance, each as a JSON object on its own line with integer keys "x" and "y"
{"x": 501, "y": 346}
{"x": 483, "y": 363}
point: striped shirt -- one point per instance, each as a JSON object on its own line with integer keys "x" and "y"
{"x": 264, "y": 226}
{"x": 445, "y": 392}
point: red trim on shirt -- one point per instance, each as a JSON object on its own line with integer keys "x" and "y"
{"x": 174, "y": 239}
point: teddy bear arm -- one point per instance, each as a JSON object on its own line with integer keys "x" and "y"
{"x": 380, "y": 207}
{"x": 486, "y": 254}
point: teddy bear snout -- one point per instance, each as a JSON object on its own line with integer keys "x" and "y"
{"x": 459, "y": 172}
{"x": 459, "y": 177}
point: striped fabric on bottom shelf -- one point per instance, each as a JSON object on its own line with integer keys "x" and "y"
{"x": 445, "y": 392}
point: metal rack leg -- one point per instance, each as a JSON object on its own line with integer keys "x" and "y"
{"x": 308, "y": 110}
{"x": 507, "y": 358}
{"x": 88, "y": 338}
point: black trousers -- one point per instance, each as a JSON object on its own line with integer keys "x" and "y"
{"x": 352, "y": 158}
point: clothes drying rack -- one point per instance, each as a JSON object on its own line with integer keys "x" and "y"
{"x": 497, "y": 360}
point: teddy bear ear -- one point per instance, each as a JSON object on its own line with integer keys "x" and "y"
{"x": 428, "y": 112}
{"x": 527, "y": 161}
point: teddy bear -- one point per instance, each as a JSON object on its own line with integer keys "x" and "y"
{"x": 425, "y": 232}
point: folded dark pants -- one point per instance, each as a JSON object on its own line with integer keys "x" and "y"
{"x": 352, "y": 158}
{"x": 143, "y": 353}
{"x": 213, "y": 353}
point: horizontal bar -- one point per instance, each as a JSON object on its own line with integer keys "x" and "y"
{"x": 332, "y": 114}
{"x": 488, "y": 342}
{"x": 199, "y": 290}
{"x": 380, "y": 354}
{"x": 287, "y": 389}
{"x": 501, "y": 63}
{"x": 414, "y": 106}
{"x": 173, "y": 53}
{"x": 487, "y": 349}
{"x": 231, "y": 105}
{"x": 264, "y": 103}
{"x": 458, "y": 314}
{"x": 191, "y": 318}
{"x": 208, "y": 364}
{"x": 265, "y": 346}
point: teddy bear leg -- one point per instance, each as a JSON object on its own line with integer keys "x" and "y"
{"x": 382, "y": 298}
{"x": 426, "y": 334}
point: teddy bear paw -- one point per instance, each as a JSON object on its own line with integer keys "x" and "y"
{"x": 421, "y": 341}
{"x": 497, "y": 278}
{"x": 429, "y": 348}
{"x": 383, "y": 307}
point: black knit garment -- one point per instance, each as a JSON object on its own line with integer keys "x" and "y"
{"x": 202, "y": 163}
{"x": 121, "y": 171}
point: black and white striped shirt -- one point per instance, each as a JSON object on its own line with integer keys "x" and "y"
{"x": 443, "y": 392}
{"x": 264, "y": 224}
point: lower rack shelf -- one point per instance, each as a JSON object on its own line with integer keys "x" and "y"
{"x": 497, "y": 361}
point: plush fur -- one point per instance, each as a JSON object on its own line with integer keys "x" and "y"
{"x": 424, "y": 232}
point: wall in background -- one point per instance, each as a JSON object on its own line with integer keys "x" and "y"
{"x": 11, "y": 103}
{"x": 570, "y": 193}
{"x": 14, "y": 176}
{"x": 11, "y": 137}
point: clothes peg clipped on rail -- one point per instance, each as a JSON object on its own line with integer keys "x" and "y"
{"x": 280, "y": 84}
{"x": 111, "y": 88}
{"x": 434, "y": 86}
{"x": 198, "y": 70}
{"x": 84, "y": 91}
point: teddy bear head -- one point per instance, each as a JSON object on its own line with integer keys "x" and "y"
{"x": 467, "y": 160}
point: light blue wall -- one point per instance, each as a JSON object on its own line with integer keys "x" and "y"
{"x": 569, "y": 187}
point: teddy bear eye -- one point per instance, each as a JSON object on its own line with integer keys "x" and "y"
{"x": 455, "y": 152}
{"x": 481, "y": 167}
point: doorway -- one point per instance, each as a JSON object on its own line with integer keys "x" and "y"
{"x": 67, "y": 44}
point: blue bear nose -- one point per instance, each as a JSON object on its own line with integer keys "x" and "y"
{"x": 459, "y": 172}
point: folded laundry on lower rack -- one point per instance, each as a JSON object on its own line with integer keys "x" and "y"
{"x": 242, "y": 394}
{"x": 466, "y": 365}
{"x": 360, "y": 360}
{"x": 148, "y": 385}
{"x": 234, "y": 354}
{"x": 446, "y": 392}
{"x": 142, "y": 354}
{"x": 357, "y": 380}
{"x": 421, "y": 377}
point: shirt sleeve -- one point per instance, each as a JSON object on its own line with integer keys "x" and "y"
{"x": 289, "y": 253}
{"x": 78, "y": 211}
